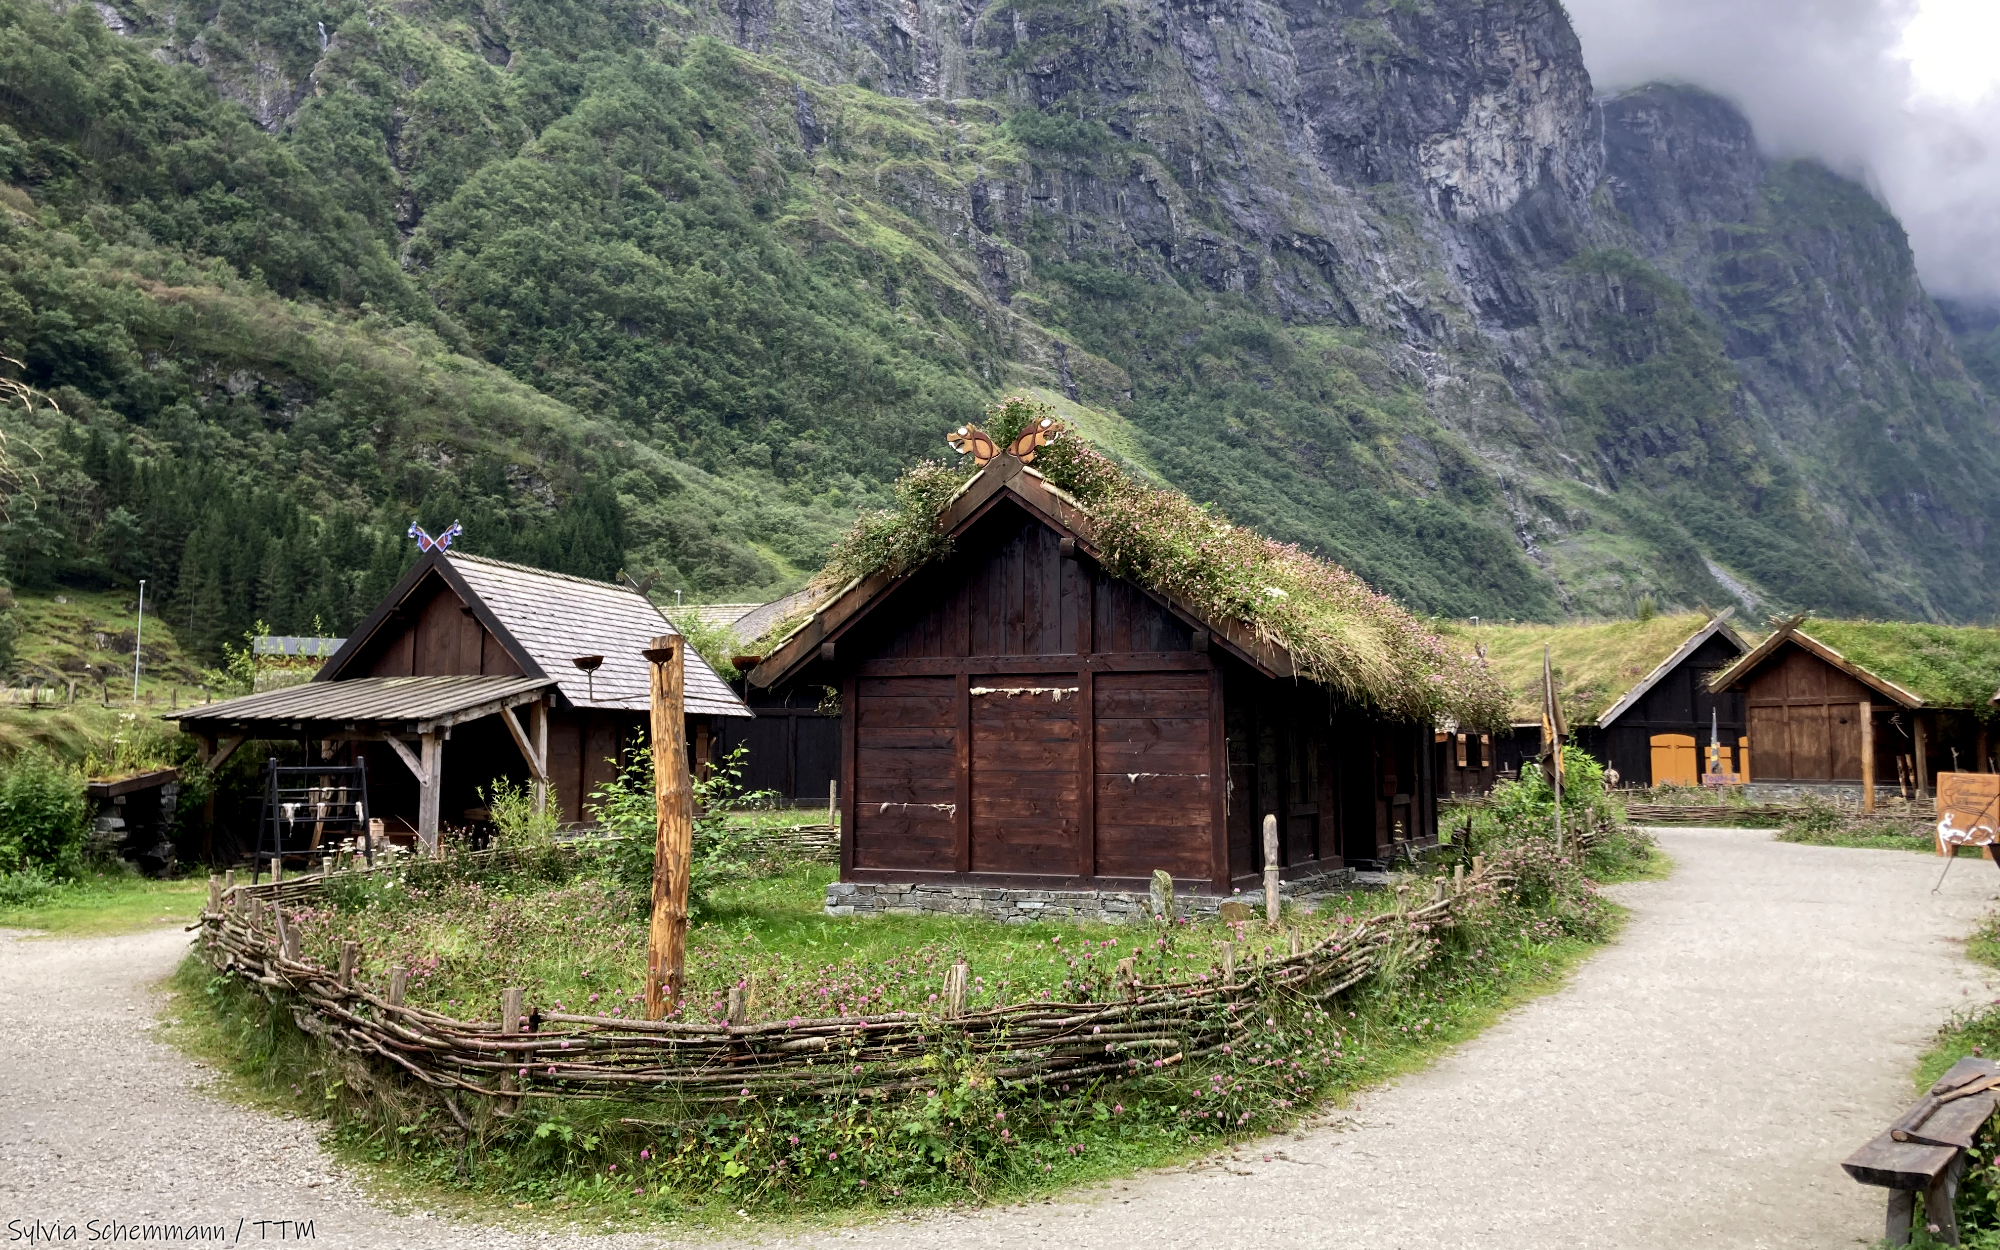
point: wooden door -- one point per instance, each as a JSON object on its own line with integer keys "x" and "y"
{"x": 1774, "y": 749}
{"x": 906, "y": 773}
{"x": 1025, "y": 767}
{"x": 1843, "y": 731}
{"x": 1812, "y": 741}
{"x": 1151, "y": 754}
{"x": 1675, "y": 760}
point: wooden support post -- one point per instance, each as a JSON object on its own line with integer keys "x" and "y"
{"x": 350, "y": 955}
{"x": 1941, "y": 1201}
{"x": 1458, "y": 878}
{"x": 288, "y": 937}
{"x": 1867, "y": 756}
{"x": 214, "y": 894}
{"x": 1294, "y": 935}
{"x": 513, "y": 1002}
{"x": 673, "y": 844}
{"x": 399, "y": 984}
{"x": 277, "y": 869}
{"x": 429, "y": 791}
{"x": 739, "y": 1005}
{"x": 538, "y": 724}
{"x": 1229, "y": 963}
{"x": 957, "y": 985}
{"x": 1922, "y": 760}
{"x": 833, "y": 803}
{"x": 1902, "y": 1212}
{"x": 1270, "y": 869}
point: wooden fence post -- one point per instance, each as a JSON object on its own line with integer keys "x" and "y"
{"x": 1270, "y": 869}
{"x": 1229, "y": 963}
{"x": 214, "y": 894}
{"x": 399, "y": 984}
{"x": 673, "y": 844}
{"x": 512, "y": 1002}
{"x": 957, "y": 984}
{"x": 350, "y": 954}
{"x": 739, "y": 1005}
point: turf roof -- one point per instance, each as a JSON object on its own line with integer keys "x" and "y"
{"x": 1595, "y": 662}
{"x": 1944, "y": 665}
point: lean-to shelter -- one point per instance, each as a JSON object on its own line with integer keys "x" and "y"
{"x": 1856, "y": 706}
{"x": 472, "y": 669}
{"x": 1018, "y": 715}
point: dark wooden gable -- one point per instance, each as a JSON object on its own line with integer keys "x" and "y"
{"x": 1682, "y": 697}
{"x": 1019, "y": 712}
{"x": 430, "y": 632}
{"x": 1804, "y": 717}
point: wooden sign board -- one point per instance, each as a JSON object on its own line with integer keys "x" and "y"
{"x": 1968, "y": 806}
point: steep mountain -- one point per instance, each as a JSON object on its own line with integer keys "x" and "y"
{"x": 1382, "y": 277}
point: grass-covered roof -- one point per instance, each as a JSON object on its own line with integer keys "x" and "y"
{"x": 1944, "y": 665}
{"x": 1595, "y": 662}
{"x": 1338, "y": 631}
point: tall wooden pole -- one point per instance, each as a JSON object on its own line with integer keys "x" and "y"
{"x": 1867, "y": 756}
{"x": 673, "y": 845}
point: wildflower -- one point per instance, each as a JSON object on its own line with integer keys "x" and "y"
{"x": 645, "y": 1154}
{"x": 1117, "y": 1108}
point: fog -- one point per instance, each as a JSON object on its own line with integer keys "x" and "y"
{"x": 1899, "y": 93}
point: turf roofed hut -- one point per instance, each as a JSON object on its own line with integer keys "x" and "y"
{"x": 1853, "y": 708}
{"x": 1636, "y": 691}
{"x": 1055, "y": 678}
{"x": 474, "y": 669}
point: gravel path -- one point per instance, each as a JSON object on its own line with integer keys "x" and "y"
{"x": 1697, "y": 1084}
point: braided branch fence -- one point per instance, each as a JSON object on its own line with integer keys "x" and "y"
{"x": 244, "y": 934}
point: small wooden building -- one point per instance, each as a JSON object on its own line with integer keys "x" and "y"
{"x": 1017, "y": 716}
{"x": 472, "y": 669}
{"x": 1635, "y": 691}
{"x": 1819, "y": 718}
{"x": 1658, "y": 732}
{"x": 1465, "y": 763}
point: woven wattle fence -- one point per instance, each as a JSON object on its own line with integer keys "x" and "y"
{"x": 245, "y": 935}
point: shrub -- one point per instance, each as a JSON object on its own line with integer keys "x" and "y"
{"x": 42, "y": 813}
{"x": 26, "y": 888}
{"x": 511, "y": 805}
{"x": 626, "y": 808}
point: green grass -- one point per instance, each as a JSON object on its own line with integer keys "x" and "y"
{"x": 102, "y": 906}
{"x": 1871, "y": 840}
{"x": 552, "y": 1164}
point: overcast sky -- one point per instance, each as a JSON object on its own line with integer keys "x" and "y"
{"x": 1903, "y": 93}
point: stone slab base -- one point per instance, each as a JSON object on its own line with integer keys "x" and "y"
{"x": 1845, "y": 792}
{"x": 868, "y": 898}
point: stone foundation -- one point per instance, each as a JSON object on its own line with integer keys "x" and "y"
{"x": 1846, "y": 793}
{"x": 868, "y": 898}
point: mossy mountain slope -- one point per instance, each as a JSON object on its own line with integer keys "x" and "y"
{"x": 1381, "y": 277}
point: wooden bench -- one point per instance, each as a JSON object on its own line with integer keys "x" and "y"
{"x": 1924, "y": 1150}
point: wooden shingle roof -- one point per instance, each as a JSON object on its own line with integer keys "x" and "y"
{"x": 555, "y": 618}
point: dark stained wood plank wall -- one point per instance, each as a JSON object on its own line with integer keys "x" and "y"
{"x": 906, "y": 773}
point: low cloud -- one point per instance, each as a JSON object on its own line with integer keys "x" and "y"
{"x": 1829, "y": 79}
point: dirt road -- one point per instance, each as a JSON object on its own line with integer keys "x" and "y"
{"x": 1696, "y": 1085}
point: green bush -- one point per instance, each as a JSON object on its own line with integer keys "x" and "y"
{"x": 26, "y": 888}
{"x": 512, "y": 807}
{"x": 41, "y": 815}
{"x": 626, "y": 808}
{"x": 1522, "y": 813}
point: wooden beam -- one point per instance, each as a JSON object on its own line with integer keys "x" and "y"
{"x": 538, "y": 721}
{"x": 429, "y": 793}
{"x": 1867, "y": 756}
{"x": 1922, "y": 751}
{"x": 537, "y": 759}
{"x": 673, "y": 843}
{"x": 220, "y": 755}
{"x": 1218, "y": 783}
{"x": 416, "y": 766}
{"x": 480, "y": 711}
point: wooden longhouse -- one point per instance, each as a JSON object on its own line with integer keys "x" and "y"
{"x": 1017, "y": 716}
{"x": 1891, "y": 707}
{"x": 473, "y": 669}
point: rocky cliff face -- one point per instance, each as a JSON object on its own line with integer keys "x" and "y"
{"x": 1384, "y": 276}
